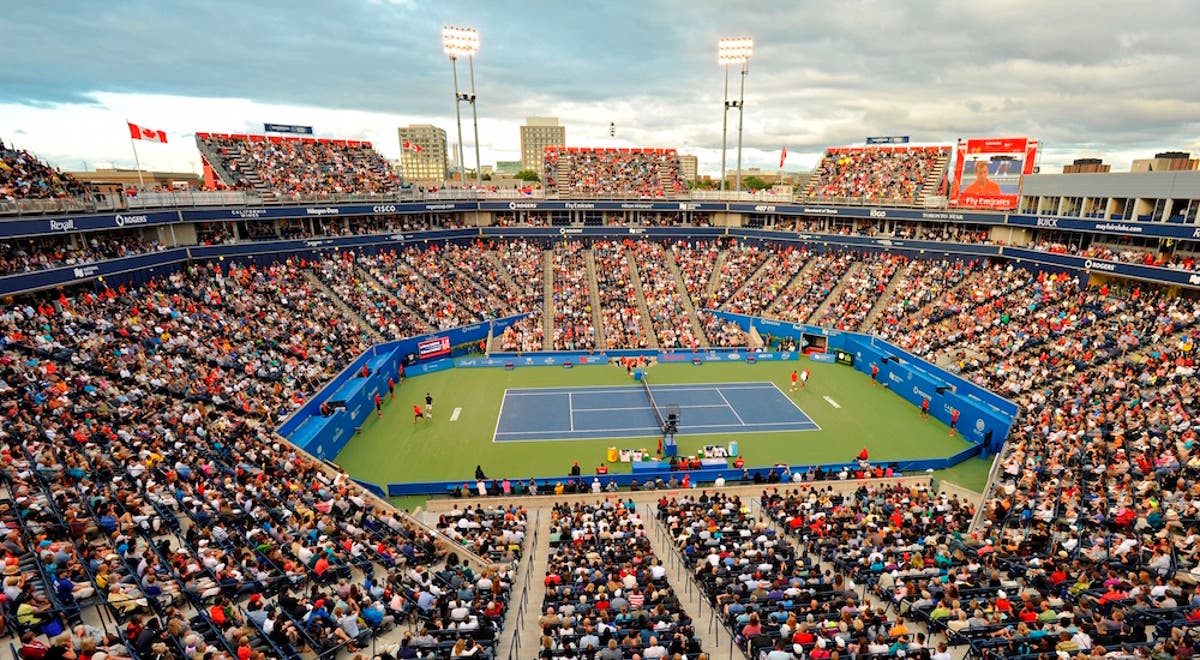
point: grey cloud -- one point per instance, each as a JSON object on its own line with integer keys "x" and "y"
{"x": 1112, "y": 74}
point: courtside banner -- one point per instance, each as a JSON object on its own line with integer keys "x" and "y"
{"x": 433, "y": 347}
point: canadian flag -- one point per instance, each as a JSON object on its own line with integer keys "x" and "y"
{"x": 149, "y": 134}
{"x": 412, "y": 147}
{"x": 782, "y": 157}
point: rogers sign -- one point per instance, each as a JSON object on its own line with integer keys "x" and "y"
{"x": 126, "y": 220}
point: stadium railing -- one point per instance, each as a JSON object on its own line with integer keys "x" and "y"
{"x": 100, "y": 203}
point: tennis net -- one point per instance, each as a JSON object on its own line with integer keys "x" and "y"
{"x": 653, "y": 406}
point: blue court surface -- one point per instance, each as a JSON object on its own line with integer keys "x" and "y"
{"x": 623, "y": 411}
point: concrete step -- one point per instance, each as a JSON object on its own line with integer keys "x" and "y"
{"x": 367, "y": 276}
{"x": 547, "y": 300}
{"x": 761, "y": 271}
{"x": 884, "y": 300}
{"x": 636, "y": 277}
{"x": 594, "y": 291}
{"x": 843, "y": 282}
{"x": 347, "y": 311}
{"x": 685, "y": 299}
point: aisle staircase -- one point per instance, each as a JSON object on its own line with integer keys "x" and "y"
{"x": 643, "y": 309}
{"x": 548, "y": 300}
{"x": 801, "y": 276}
{"x": 686, "y": 300}
{"x": 933, "y": 180}
{"x": 504, "y": 274}
{"x": 843, "y": 282}
{"x": 885, "y": 299}
{"x": 347, "y": 311}
{"x": 761, "y": 271}
{"x": 594, "y": 293}
{"x": 714, "y": 280}
{"x": 366, "y": 275}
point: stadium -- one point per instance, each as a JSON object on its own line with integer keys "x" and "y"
{"x": 928, "y": 402}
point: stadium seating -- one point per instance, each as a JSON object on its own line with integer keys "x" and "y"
{"x": 576, "y": 171}
{"x": 574, "y": 325}
{"x": 878, "y": 175}
{"x": 140, "y": 414}
{"x": 25, "y": 176}
{"x": 604, "y": 584}
{"x": 664, "y": 300}
{"x": 619, "y": 303}
{"x": 297, "y": 167}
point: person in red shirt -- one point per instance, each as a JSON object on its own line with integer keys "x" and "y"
{"x": 392, "y": 389}
{"x": 417, "y": 413}
{"x": 874, "y": 374}
{"x": 378, "y": 405}
{"x": 954, "y": 422}
{"x": 795, "y": 377}
{"x": 925, "y": 408}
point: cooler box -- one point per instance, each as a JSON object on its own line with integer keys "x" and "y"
{"x": 733, "y": 448}
{"x": 638, "y": 373}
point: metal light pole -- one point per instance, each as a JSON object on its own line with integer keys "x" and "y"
{"x": 734, "y": 50}
{"x": 475, "y": 123}
{"x": 457, "y": 42}
{"x": 462, "y": 173}
{"x": 724, "y": 128}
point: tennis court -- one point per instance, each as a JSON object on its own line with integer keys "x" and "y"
{"x": 625, "y": 411}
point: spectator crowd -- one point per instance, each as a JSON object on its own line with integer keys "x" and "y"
{"x": 879, "y": 174}
{"x": 647, "y": 173}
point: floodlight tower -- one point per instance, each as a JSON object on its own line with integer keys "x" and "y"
{"x": 458, "y": 42}
{"x": 734, "y": 50}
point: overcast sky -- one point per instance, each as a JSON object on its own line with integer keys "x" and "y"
{"x": 1098, "y": 78}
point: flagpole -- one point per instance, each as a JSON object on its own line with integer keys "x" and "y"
{"x": 136, "y": 160}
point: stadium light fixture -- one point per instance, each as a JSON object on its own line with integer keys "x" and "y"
{"x": 464, "y": 42}
{"x": 733, "y": 50}
{"x": 460, "y": 41}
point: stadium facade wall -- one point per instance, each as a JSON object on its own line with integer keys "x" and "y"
{"x": 699, "y": 478}
{"x": 984, "y": 417}
{"x": 353, "y": 394}
{"x": 142, "y": 267}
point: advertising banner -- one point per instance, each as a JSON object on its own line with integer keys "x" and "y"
{"x": 1112, "y": 227}
{"x": 431, "y": 348}
{"x": 287, "y": 128}
{"x": 988, "y": 171}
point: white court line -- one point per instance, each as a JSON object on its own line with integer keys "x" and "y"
{"x": 454, "y": 415}
{"x": 500, "y": 415}
{"x": 831, "y": 402}
{"x": 605, "y": 389}
{"x": 731, "y": 408}
{"x": 803, "y": 426}
{"x": 571, "y": 409}
{"x": 609, "y": 430}
{"x": 680, "y": 406}
{"x": 796, "y": 406}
